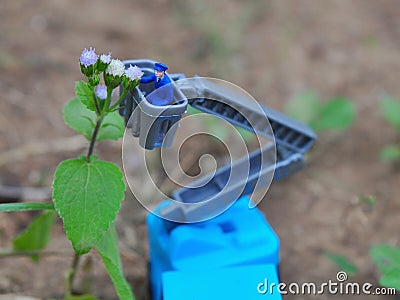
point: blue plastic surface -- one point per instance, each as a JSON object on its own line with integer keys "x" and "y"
{"x": 238, "y": 237}
{"x": 252, "y": 282}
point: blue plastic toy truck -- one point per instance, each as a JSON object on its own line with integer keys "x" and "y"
{"x": 233, "y": 254}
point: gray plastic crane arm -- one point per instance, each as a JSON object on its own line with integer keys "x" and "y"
{"x": 292, "y": 139}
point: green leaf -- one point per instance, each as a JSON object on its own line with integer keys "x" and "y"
{"x": 85, "y": 94}
{"x": 87, "y": 196}
{"x": 386, "y": 257}
{"x": 343, "y": 263}
{"x": 337, "y": 114}
{"x": 79, "y": 118}
{"x": 108, "y": 250}
{"x": 37, "y": 235}
{"x": 82, "y": 297}
{"x": 390, "y": 154}
{"x": 391, "y": 279}
{"x": 304, "y": 107}
{"x": 391, "y": 110}
{"x": 83, "y": 120}
{"x": 112, "y": 128}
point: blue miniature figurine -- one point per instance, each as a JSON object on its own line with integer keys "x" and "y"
{"x": 163, "y": 93}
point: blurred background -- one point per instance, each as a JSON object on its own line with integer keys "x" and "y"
{"x": 284, "y": 53}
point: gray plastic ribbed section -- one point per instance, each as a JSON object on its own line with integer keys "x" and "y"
{"x": 287, "y": 132}
{"x": 213, "y": 186}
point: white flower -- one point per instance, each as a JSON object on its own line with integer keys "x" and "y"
{"x": 105, "y": 58}
{"x": 133, "y": 73}
{"x": 115, "y": 68}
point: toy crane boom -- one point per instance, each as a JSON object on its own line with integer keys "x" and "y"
{"x": 156, "y": 125}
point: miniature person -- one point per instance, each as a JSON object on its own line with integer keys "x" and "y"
{"x": 163, "y": 93}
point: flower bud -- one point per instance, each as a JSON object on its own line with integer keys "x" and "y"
{"x": 103, "y": 62}
{"x": 113, "y": 74}
{"x": 101, "y": 91}
{"x": 132, "y": 77}
{"x": 88, "y": 60}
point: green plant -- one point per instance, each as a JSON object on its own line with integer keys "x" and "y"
{"x": 342, "y": 263}
{"x": 337, "y": 113}
{"x": 387, "y": 259}
{"x": 390, "y": 108}
{"x": 87, "y": 191}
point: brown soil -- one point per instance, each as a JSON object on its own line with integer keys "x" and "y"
{"x": 273, "y": 49}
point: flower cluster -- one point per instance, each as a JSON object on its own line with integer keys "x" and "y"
{"x": 114, "y": 73}
{"x": 93, "y": 64}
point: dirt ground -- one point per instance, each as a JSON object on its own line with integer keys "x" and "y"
{"x": 273, "y": 49}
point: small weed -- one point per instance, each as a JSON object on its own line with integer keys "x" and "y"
{"x": 390, "y": 108}
{"x": 342, "y": 263}
{"x": 337, "y": 113}
{"x": 387, "y": 259}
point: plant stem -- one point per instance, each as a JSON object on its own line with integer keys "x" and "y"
{"x": 94, "y": 137}
{"x": 70, "y": 277}
{"x": 96, "y": 103}
{"x": 108, "y": 100}
{"x": 12, "y": 207}
{"x": 124, "y": 92}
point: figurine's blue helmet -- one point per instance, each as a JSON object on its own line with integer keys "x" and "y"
{"x": 160, "y": 67}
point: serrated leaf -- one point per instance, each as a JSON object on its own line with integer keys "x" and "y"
{"x": 343, "y": 263}
{"x": 391, "y": 110}
{"x": 386, "y": 257}
{"x": 83, "y": 120}
{"x": 85, "y": 94}
{"x": 390, "y": 154}
{"x": 87, "y": 196}
{"x": 391, "y": 279}
{"x": 109, "y": 252}
{"x": 37, "y": 235}
{"x": 304, "y": 107}
{"x": 337, "y": 114}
